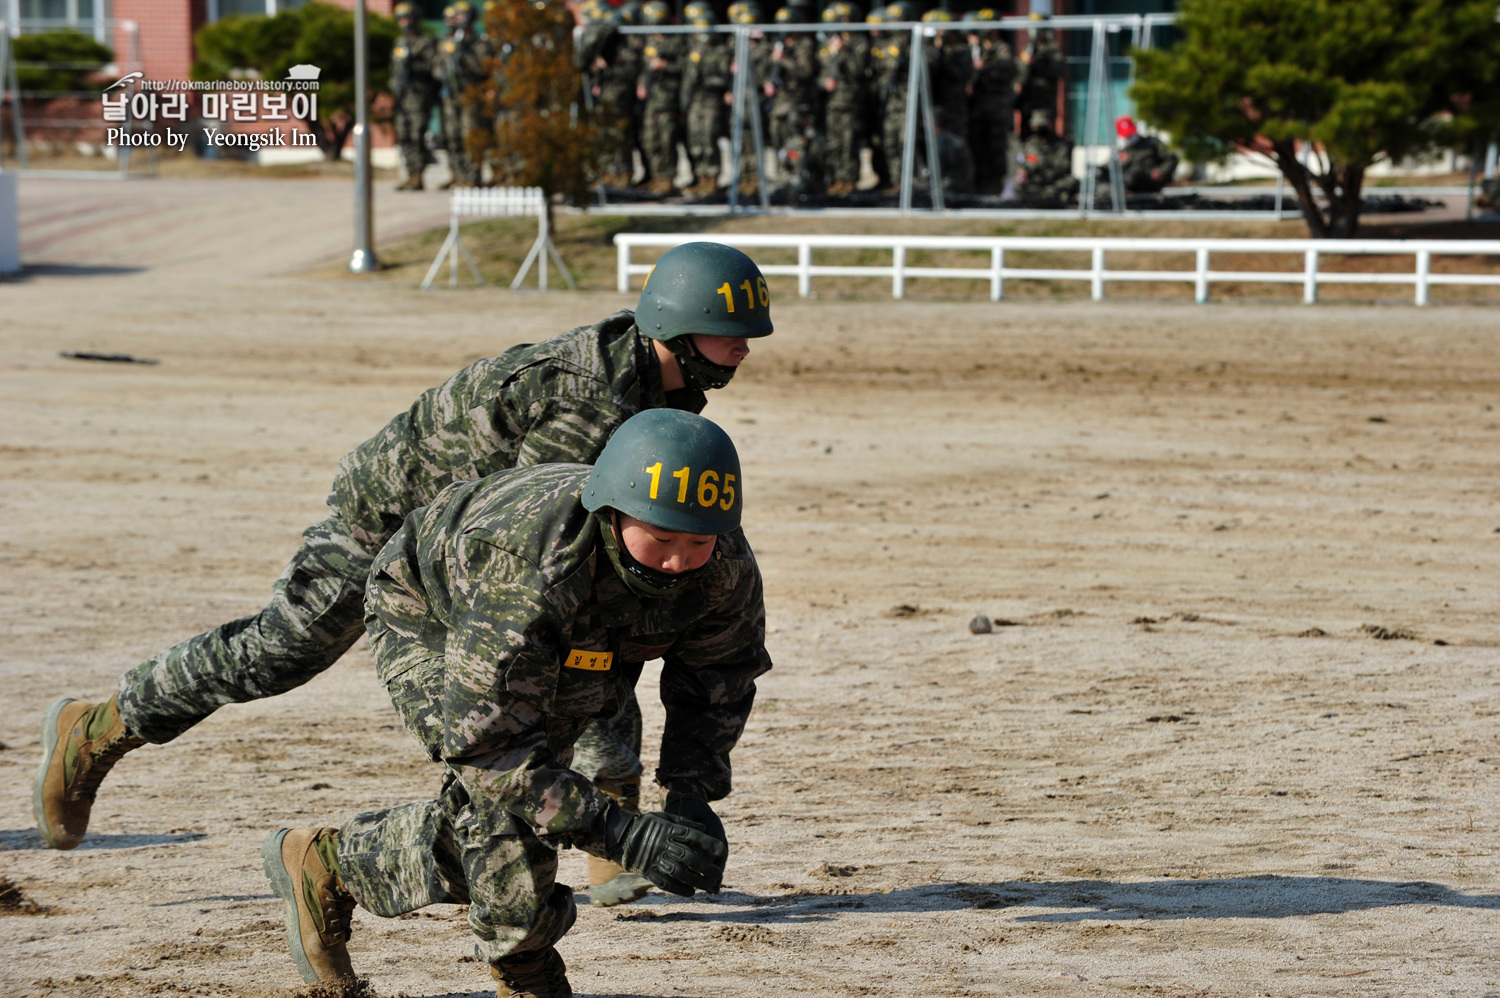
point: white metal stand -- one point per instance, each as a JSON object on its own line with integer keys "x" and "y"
{"x": 498, "y": 202}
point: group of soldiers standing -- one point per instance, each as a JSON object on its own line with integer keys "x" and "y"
{"x": 822, "y": 98}
{"x": 429, "y": 73}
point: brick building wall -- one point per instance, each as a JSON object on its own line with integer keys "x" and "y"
{"x": 166, "y": 28}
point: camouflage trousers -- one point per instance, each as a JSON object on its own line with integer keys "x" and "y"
{"x": 893, "y": 137}
{"x": 707, "y": 122}
{"x": 413, "y": 113}
{"x": 842, "y": 138}
{"x": 461, "y": 848}
{"x": 316, "y": 613}
{"x": 659, "y": 132}
{"x": 458, "y": 120}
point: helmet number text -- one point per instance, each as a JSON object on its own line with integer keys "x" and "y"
{"x": 750, "y": 290}
{"x": 710, "y": 491}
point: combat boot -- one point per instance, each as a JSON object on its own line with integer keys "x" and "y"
{"x": 303, "y": 865}
{"x": 81, "y": 742}
{"x": 610, "y": 883}
{"x": 533, "y": 975}
{"x": 660, "y": 185}
{"x": 413, "y": 182}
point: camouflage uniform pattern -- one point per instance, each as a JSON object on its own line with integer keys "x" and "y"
{"x": 481, "y": 612}
{"x": 661, "y": 114}
{"x": 461, "y": 64}
{"x": 1043, "y": 69}
{"x": 892, "y": 73}
{"x": 795, "y": 78}
{"x": 615, "y": 65}
{"x": 1046, "y": 168}
{"x": 704, "y": 85}
{"x": 413, "y": 59}
{"x": 843, "y": 116}
{"x": 553, "y": 401}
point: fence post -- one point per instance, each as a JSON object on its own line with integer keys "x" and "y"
{"x": 898, "y": 271}
{"x": 1424, "y": 267}
{"x": 1096, "y": 280}
{"x": 1310, "y": 278}
{"x": 997, "y": 273}
{"x": 1200, "y": 282}
{"x": 804, "y": 269}
{"x": 622, "y": 265}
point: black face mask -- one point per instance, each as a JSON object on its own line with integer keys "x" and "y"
{"x": 642, "y": 580}
{"x": 698, "y": 372}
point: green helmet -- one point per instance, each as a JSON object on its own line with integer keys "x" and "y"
{"x": 655, "y": 12}
{"x": 790, "y": 15}
{"x": 404, "y": 11}
{"x": 901, "y": 10}
{"x": 703, "y": 289}
{"x": 672, "y": 469}
{"x": 695, "y": 10}
{"x": 628, "y": 13}
{"x": 938, "y": 16}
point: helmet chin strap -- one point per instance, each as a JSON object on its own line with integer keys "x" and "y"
{"x": 698, "y": 372}
{"x": 641, "y": 579}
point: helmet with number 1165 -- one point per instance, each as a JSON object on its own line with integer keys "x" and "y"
{"x": 672, "y": 469}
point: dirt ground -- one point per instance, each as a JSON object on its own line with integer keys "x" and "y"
{"x": 1232, "y": 731}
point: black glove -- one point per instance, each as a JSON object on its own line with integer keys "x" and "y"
{"x": 696, "y": 810}
{"x": 673, "y": 854}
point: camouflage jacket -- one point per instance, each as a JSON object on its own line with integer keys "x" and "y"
{"x": 555, "y": 401}
{"x": 413, "y": 61}
{"x": 709, "y": 75}
{"x": 541, "y": 636}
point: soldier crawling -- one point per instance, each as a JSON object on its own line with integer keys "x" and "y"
{"x": 504, "y": 617}
{"x": 555, "y": 401}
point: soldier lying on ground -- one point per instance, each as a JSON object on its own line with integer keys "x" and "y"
{"x": 556, "y": 401}
{"x": 506, "y": 616}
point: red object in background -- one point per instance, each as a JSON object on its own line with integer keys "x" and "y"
{"x": 1125, "y": 127}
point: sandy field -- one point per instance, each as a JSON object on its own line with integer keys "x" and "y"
{"x": 1232, "y": 730}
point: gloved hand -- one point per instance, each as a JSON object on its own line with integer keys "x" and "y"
{"x": 674, "y": 854}
{"x": 696, "y": 810}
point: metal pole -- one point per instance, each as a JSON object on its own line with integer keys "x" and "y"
{"x": 18, "y": 127}
{"x": 1473, "y": 179}
{"x": 1116, "y": 179}
{"x": 909, "y": 130}
{"x": 929, "y": 124}
{"x": 737, "y": 118}
{"x": 363, "y": 259}
{"x": 1091, "y": 120}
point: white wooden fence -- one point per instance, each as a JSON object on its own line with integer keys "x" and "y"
{"x": 994, "y": 270}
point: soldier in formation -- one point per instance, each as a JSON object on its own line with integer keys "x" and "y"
{"x": 659, "y": 89}
{"x": 505, "y": 617}
{"x": 463, "y": 61}
{"x": 991, "y": 104}
{"x": 1045, "y": 163}
{"x": 611, "y": 64}
{"x": 415, "y": 88}
{"x": 555, "y": 401}
{"x": 706, "y": 98}
{"x": 1041, "y": 71}
{"x": 845, "y": 65}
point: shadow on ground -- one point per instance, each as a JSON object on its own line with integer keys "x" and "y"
{"x": 1089, "y": 900}
{"x": 72, "y": 270}
{"x": 15, "y": 839}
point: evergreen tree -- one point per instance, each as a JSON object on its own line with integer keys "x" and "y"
{"x": 1360, "y": 80}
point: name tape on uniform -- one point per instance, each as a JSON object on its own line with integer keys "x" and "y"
{"x": 590, "y": 661}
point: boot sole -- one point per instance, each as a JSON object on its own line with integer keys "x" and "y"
{"x": 281, "y": 880}
{"x": 49, "y": 745}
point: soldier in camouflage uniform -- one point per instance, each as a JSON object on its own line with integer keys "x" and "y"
{"x": 1046, "y": 163}
{"x": 705, "y": 90}
{"x": 991, "y": 104}
{"x": 555, "y": 401}
{"x": 660, "y": 92}
{"x": 845, "y": 74}
{"x": 461, "y": 64}
{"x": 950, "y": 70}
{"x": 613, "y": 65}
{"x": 506, "y": 616}
{"x": 892, "y": 74}
{"x": 791, "y": 81}
{"x": 1041, "y": 70}
{"x": 415, "y": 89}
